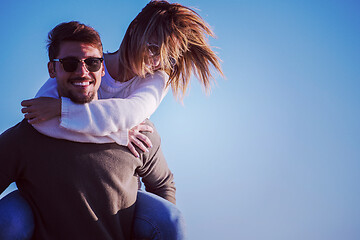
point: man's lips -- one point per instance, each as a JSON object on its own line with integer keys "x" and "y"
{"x": 80, "y": 82}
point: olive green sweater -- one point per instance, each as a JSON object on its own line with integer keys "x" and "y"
{"x": 80, "y": 190}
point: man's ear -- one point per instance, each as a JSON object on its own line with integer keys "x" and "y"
{"x": 103, "y": 69}
{"x": 51, "y": 69}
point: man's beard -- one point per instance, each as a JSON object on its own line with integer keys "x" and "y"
{"x": 81, "y": 100}
{"x": 74, "y": 94}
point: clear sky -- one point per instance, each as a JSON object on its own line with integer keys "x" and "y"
{"x": 274, "y": 152}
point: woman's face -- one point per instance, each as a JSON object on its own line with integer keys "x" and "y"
{"x": 153, "y": 54}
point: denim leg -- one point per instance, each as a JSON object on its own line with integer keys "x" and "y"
{"x": 16, "y": 218}
{"x": 157, "y": 219}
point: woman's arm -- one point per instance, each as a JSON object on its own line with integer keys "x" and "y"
{"x": 128, "y": 107}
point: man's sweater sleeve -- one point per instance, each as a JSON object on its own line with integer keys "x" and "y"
{"x": 155, "y": 172}
{"x": 10, "y": 156}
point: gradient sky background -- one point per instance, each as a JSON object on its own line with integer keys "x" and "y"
{"x": 274, "y": 152}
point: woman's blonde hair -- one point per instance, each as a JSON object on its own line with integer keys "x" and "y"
{"x": 184, "y": 49}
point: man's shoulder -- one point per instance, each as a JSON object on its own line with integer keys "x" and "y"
{"x": 16, "y": 133}
{"x": 17, "y": 127}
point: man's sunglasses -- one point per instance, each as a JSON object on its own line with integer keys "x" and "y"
{"x": 70, "y": 64}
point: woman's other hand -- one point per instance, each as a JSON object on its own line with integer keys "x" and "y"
{"x": 137, "y": 139}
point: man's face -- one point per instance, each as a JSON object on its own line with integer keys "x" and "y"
{"x": 80, "y": 85}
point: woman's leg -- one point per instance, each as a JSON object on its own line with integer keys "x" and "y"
{"x": 157, "y": 219}
{"x": 16, "y": 217}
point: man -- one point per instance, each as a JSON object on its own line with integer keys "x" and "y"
{"x": 79, "y": 190}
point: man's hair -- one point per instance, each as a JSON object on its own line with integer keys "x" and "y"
{"x": 72, "y": 31}
{"x": 182, "y": 37}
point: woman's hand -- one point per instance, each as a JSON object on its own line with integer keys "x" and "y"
{"x": 41, "y": 109}
{"x": 137, "y": 139}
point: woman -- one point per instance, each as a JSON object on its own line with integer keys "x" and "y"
{"x": 162, "y": 47}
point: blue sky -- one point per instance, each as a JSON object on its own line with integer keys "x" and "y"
{"x": 273, "y": 153}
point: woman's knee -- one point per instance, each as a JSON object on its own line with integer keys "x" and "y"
{"x": 16, "y": 217}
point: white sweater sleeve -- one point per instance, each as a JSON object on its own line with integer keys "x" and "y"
{"x": 129, "y": 107}
{"x": 52, "y": 127}
{"x": 49, "y": 89}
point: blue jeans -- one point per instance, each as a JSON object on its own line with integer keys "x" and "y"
{"x": 155, "y": 218}
{"x": 16, "y": 217}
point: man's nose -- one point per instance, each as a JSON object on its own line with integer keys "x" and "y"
{"x": 81, "y": 68}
